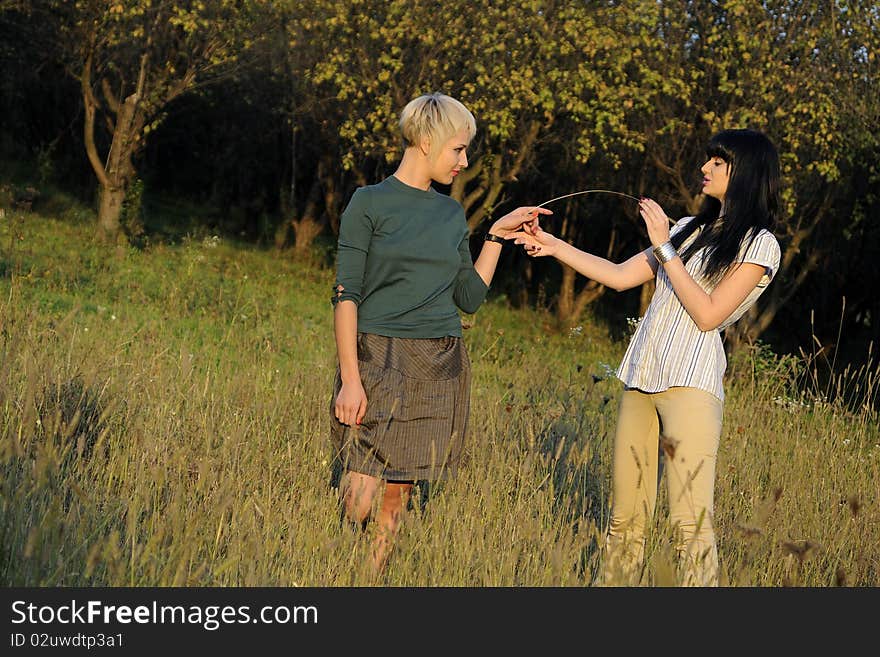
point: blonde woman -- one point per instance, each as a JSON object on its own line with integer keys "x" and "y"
{"x": 402, "y": 393}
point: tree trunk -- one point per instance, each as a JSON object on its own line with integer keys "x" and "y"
{"x": 565, "y": 301}
{"x": 331, "y": 204}
{"x": 585, "y": 297}
{"x": 307, "y": 227}
{"x": 571, "y": 306}
{"x": 281, "y": 232}
{"x": 109, "y": 211}
{"x": 305, "y": 230}
{"x": 327, "y": 175}
{"x": 288, "y": 200}
{"x": 527, "y": 278}
{"x": 115, "y": 175}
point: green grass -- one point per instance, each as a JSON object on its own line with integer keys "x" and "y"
{"x": 165, "y": 422}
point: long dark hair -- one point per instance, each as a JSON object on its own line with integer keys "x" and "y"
{"x": 750, "y": 203}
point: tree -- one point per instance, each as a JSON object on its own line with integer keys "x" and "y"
{"x": 799, "y": 71}
{"x": 301, "y": 44}
{"x": 519, "y": 66}
{"x": 131, "y": 60}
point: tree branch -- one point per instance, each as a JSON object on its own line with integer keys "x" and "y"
{"x": 675, "y": 174}
{"x": 109, "y": 96}
{"x": 91, "y": 105}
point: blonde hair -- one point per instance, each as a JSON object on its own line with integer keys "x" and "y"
{"x": 436, "y": 117}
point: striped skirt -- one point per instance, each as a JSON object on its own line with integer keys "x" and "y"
{"x": 418, "y": 401}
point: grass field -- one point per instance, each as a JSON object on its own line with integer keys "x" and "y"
{"x": 165, "y": 415}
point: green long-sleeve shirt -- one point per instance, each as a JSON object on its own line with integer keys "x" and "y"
{"x": 403, "y": 258}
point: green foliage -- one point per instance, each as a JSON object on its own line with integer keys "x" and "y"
{"x": 511, "y": 64}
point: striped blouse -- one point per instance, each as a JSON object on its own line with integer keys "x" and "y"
{"x": 667, "y": 349}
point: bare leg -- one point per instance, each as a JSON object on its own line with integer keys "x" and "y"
{"x": 358, "y": 492}
{"x": 394, "y": 503}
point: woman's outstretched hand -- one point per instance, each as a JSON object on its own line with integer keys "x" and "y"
{"x": 541, "y": 243}
{"x": 524, "y": 218}
{"x": 656, "y": 221}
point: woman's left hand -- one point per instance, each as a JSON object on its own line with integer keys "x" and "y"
{"x": 525, "y": 217}
{"x": 656, "y": 221}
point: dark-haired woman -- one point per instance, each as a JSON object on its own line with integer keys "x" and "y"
{"x": 709, "y": 270}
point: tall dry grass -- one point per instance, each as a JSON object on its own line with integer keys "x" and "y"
{"x": 165, "y": 414}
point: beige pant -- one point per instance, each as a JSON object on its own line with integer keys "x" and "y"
{"x": 689, "y": 421}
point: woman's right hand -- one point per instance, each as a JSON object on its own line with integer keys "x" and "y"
{"x": 541, "y": 243}
{"x": 523, "y": 218}
{"x": 351, "y": 403}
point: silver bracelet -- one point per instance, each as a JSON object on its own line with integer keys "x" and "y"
{"x": 665, "y": 252}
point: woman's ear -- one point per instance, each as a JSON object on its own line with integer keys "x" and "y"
{"x": 425, "y": 146}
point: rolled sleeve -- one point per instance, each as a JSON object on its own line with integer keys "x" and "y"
{"x": 355, "y": 233}
{"x": 764, "y": 250}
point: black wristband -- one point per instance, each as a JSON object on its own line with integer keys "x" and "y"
{"x": 494, "y": 238}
